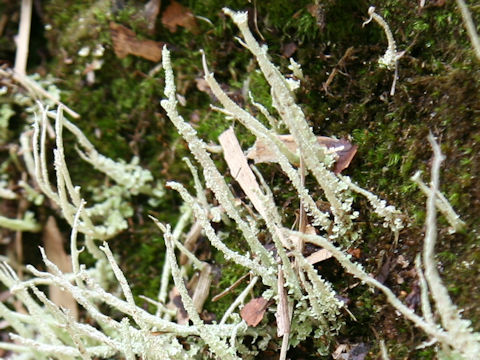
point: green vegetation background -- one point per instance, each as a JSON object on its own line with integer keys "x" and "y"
{"x": 437, "y": 90}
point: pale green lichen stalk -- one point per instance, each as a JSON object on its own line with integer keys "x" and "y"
{"x": 391, "y": 56}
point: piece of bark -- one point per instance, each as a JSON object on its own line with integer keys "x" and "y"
{"x": 254, "y": 311}
{"x": 343, "y": 149}
{"x": 178, "y": 15}
{"x": 125, "y": 42}
{"x": 54, "y": 249}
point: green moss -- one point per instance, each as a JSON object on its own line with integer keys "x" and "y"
{"x": 261, "y": 91}
{"x": 212, "y": 126}
{"x": 229, "y": 273}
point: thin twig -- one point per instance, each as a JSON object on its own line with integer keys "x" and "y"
{"x": 230, "y": 288}
{"x": 23, "y": 38}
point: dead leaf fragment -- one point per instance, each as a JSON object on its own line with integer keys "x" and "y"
{"x": 345, "y": 155}
{"x": 413, "y": 299}
{"x": 356, "y": 253}
{"x": 178, "y": 15}
{"x": 341, "y": 349}
{"x": 176, "y": 303}
{"x": 289, "y": 49}
{"x": 54, "y": 249}
{"x": 254, "y": 310}
{"x": 343, "y": 149}
{"x": 125, "y": 42}
{"x": 318, "y": 256}
{"x": 239, "y": 168}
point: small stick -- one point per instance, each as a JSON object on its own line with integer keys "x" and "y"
{"x": 36, "y": 90}
{"x": 335, "y": 70}
{"x": 230, "y": 288}
{"x": 23, "y": 38}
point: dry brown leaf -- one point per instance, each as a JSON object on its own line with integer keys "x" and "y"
{"x": 178, "y": 15}
{"x": 318, "y": 256}
{"x": 241, "y": 172}
{"x": 125, "y": 42}
{"x": 203, "y": 86}
{"x": 345, "y": 155}
{"x": 53, "y": 243}
{"x": 176, "y": 303}
{"x": 254, "y": 310}
{"x": 413, "y": 298}
{"x": 356, "y": 253}
{"x": 289, "y": 49}
{"x": 343, "y": 149}
{"x": 199, "y": 285}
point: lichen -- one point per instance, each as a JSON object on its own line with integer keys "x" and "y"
{"x": 435, "y": 90}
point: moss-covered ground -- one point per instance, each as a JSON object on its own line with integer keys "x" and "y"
{"x": 438, "y": 90}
